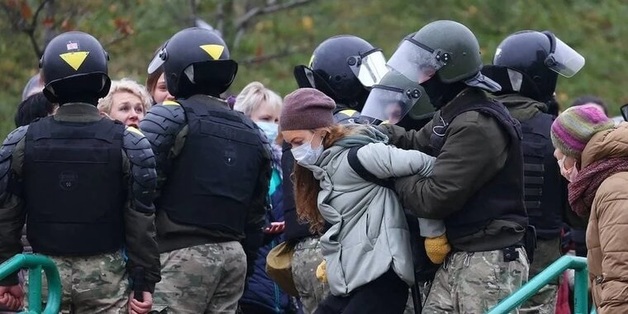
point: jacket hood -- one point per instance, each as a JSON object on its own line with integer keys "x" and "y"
{"x": 611, "y": 143}
{"x": 520, "y": 107}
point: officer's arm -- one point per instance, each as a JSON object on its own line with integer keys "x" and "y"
{"x": 12, "y": 213}
{"x": 162, "y": 126}
{"x": 255, "y": 217}
{"x": 476, "y": 148}
{"x": 411, "y": 139}
{"x": 139, "y": 216}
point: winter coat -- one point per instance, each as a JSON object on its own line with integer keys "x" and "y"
{"x": 607, "y": 232}
{"x": 261, "y": 291}
{"x": 369, "y": 233}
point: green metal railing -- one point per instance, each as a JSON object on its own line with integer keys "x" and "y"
{"x": 36, "y": 263}
{"x": 556, "y": 269}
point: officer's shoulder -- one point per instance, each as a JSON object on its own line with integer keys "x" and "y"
{"x": 133, "y": 137}
{"x": 16, "y": 135}
{"x": 472, "y": 117}
{"x": 165, "y": 118}
{"x": 9, "y": 144}
{"x": 169, "y": 110}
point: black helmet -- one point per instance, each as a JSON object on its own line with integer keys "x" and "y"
{"x": 74, "y": 68}
{"x": 196, "y": 61}
{"x": 539, "y": 57}
{"x": 344, "y": 67}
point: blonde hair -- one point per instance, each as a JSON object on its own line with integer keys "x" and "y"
{"x": 253, "y": 95}
{"x": 128, "y": 86}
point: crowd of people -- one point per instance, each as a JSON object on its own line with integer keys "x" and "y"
{"x": 425, "y": 183}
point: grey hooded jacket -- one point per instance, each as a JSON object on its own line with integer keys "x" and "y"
{"x": 369, "y": 233}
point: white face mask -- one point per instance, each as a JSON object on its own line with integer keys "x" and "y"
{"x": 270, "y": 129}
{"x": 305, "y": 154}
{"x": 569, "y": 174}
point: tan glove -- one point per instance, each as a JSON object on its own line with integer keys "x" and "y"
{"x": 321, "y": 272}
{"x": 437, "y": 248}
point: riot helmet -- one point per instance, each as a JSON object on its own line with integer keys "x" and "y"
{"x": 539, "y": 57}
{"x": 74, "y": 68}
{"x": 443, "y": 49}
{"x": 394, "y": 97}
{"x": 343, "y": 67}
{"x": 195, "y": 61}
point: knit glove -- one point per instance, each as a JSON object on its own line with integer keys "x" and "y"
{"x": 321, "y": 272}
{"x": 437, "y": 248}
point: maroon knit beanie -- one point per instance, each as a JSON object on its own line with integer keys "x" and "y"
{"x": 306, "y": 109}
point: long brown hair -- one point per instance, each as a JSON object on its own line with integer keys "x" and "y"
{"x": 306, "y": 187}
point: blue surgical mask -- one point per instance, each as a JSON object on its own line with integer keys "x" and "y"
{"x": 306, "y": 155}
{"x": 270, "y": 129}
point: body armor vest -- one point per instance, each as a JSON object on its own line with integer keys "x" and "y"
{"x": 214, "y": 178}
{"x": 73, "y": 185}
{"x": 544, "y": 194}
{"x": 501, "y": 197}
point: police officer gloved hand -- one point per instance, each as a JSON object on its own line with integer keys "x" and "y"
{"x": 321, "y": 272}
{"x": 437, "y": 248}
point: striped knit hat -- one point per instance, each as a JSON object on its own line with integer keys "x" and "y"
{"x": 574, "y": 127}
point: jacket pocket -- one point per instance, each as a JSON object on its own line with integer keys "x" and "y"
{"x": 372, "y": 227}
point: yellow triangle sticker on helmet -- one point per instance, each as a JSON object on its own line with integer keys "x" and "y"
{"x": 74, "y": 59}
{"x": 348, "y": 112}
{"x": 214, "y": 51}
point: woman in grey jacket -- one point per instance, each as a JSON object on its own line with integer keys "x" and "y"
{"x": 367, "y": 247}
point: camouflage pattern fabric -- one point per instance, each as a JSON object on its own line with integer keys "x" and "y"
{"x": 544, "y": 302}
{"x": 91, "y": 285}
{"x": 307, "y": 256}
{"x": 207, "y": 278}
{"x": 474, "y": 282}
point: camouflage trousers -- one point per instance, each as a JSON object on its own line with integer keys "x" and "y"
{"x": 544, "y": 302}
{"x": 307, "y": 256}
{"x": 474, "y": 282}
{"x": 94, "y": 284}
{"x": 207, "y": 278}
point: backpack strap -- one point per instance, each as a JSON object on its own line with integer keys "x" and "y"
{"x": 357, "y": 166}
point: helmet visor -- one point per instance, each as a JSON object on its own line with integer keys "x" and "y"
{"x": 158, "y": 61}
{"x": 387, "y": 104}
{"x": 564, "y": 60}
{"x": 369, "y": 68}
{"x": 416, "y": 61}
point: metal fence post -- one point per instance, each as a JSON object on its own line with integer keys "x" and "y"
{"x": 35, "y": 263}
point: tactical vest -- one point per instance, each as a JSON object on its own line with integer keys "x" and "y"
{"x": 73, "y": 185}
{"x": 213, "y": 180}
{"x": 544, "y": 193}
{"x": 501, "y": 197}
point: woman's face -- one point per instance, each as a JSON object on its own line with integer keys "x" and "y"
{"x": 266, "y": 113}
{"x": 127, "y": 108}
{"x": 569, "y": 163}
{"x": 297, "y": 138}
{"x": 160, "y": 92}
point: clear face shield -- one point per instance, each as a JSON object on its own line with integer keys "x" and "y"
{"x": 158, "y": 60}
{"x": 563, "y": 59}
{"x": 417, "y": 61}
{"x": 389, "y": 104}
{"x": 369, "y": 67}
